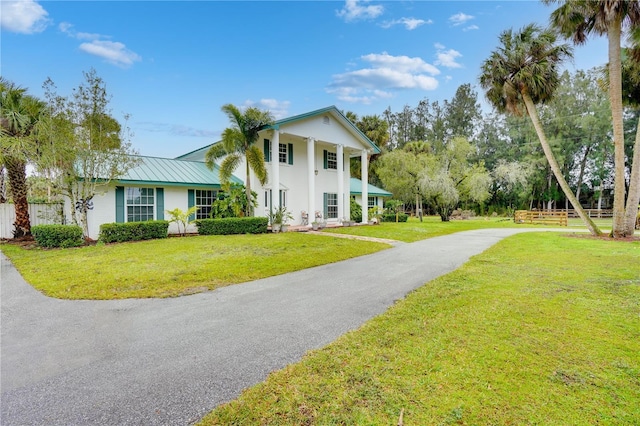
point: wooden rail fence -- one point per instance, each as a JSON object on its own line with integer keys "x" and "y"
{"x": 542, "y": 217}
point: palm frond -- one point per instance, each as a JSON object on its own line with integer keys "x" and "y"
{"x": 255, "y": 158}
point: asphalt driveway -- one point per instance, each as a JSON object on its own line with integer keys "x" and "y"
{"x": 170, "y": 361}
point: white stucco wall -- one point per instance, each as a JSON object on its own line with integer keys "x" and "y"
{"x": 104, "y": 208}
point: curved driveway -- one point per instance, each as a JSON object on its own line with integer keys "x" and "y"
{"x": 170, "y": 361}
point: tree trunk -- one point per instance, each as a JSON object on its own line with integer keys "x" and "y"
{"x": 615, "y": 97}
{"x": 17, "y": 173}
{"x": 247, "y": 190}
{"x": 583, "y": 165}
{"x": 631, "y": 211}
{"x": 555, "y": 168}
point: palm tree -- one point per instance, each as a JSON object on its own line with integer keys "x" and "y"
{"x": 19, "y": 114}
{"x": 631, "y": 98}
{"x": 524, "y": 70}
{"x": 578, "y": 19}
{"x": 238, "y": 143}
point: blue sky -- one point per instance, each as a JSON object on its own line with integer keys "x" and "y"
{"x": 171, "y": 65}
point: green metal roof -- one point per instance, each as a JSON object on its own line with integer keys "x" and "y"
{"x": 355, "y": 188}
{"x": 167, "y": 171}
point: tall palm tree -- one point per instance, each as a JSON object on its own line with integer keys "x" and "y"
{"x": 238, "y": 143}
{"x": 19, "y": 114}
{"x": 631, "y": 98}
{"x": 524, "y": 70}
{"x": 577, "y": 19}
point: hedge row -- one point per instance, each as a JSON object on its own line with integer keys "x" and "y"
{"x": 133, "y": 231}
{"x": 57, "y": 235}
{"x": 232, "y": 225}
{"x": 390, "y": 217}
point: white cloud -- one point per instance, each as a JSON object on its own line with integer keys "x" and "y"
{"x": 23, "y": 16}
{"x": 409, "y": 23}
{"x": 279, "y": 109}
{"x": 355, "y": 10}
{"x": 447, "y": 58}
{"x": 471, "y": 28}
{"x": 67, "y": 28}
{"x": 114, "y": 52}
{"x": 400, "y": 63}
{"x": 460, "y": 18}
{"x": 176, "y": 129}
{"x": 384, "y": 75}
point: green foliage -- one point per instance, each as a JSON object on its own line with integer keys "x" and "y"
{"x": 356, "y": 211}
{"x": 232, "y": 225}
{"x": 57, "y": 235}
{"x": 232, "y": 203}
{"x": 391, "y": 217}
{"x": 237, "y": 144}
{"x": 181, "y": 217}
{"x": 133, "y": 231}
{"x": 280, "y": 216}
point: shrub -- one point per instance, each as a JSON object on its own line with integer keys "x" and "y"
{"x": 57, "y": 235}
{"x": 232, "y": 225}
{"x": 133, "y": 231}
{"x": 356, "y": 211}
{"x": 389, "y": 217}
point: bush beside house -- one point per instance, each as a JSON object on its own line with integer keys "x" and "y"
{"x": 232, "y": 225}
{"x": 133, "y": 231}
{"x": 57, "y": 235}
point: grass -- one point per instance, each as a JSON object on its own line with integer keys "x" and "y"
{"x": 414, "y": 230}
{"x": 175, "y": 266}
{"x": 539, "y": 329}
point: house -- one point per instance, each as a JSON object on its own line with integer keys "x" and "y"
{"x": 307, "y": 160}
{"x": 375, "y": 197}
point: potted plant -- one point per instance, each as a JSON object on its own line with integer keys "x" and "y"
{"x": 375, "y": 214}
{"x": 279, "y": 219}
{"x": 315, "y": 225}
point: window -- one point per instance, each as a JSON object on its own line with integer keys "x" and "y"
{"x": 140, "y": 203}
{"x": 204, "y": 199}
{"x": 372, "y": 202}
{"x": 332, "y": 160}
{"x": 332, "y": 206}
{"x": 285, "y": 152}
{"x": 282, "y": 153}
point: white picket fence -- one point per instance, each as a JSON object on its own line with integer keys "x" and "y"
{"x": 39, "y": 214}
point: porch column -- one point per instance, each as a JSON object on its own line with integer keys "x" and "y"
{"x": 275, "y": 169}
{"x": 364, "y": 171}
{"x": 311, "y": 179}
{"x": 340, "y": 158}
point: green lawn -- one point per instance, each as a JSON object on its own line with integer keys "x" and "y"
{"x": 430, "y": 227}
{"x": 175, "y": 266}
{"x": 539, "y": 329}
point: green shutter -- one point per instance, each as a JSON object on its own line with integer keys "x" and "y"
{"x": 191, "y": 201}
{"x": 326, "y": 205}
{"x": 267, "y": 151}
{"x": 159, "y": 203}
{"x": 119, "y": 204}
{"x": 291, "y": 153}
{"x": 324, "y": 152}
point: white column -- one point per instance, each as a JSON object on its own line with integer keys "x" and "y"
{"x": 340, "y": 158}
{"x": 311, "y": 178}
{"x": 275, "y": 169}
{"x": 364, "y": 171}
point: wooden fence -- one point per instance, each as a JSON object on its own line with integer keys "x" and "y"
{"x": 592, "y": 213}
{"x": 39, "y": 214}
{"x": 542, "y": 217}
